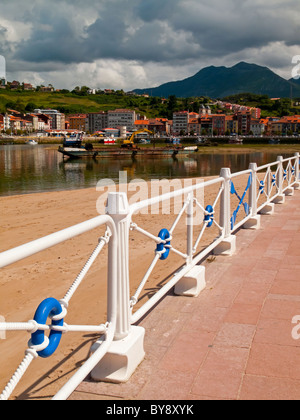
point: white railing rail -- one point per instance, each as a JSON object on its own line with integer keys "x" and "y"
{"x": 230, "y": 210}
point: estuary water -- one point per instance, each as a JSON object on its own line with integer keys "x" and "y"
{"x": 28, "y": 169}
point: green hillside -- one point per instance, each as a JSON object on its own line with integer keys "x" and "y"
{"x": 81, "y": 102}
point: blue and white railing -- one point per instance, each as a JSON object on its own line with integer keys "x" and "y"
{"x": 118, "y": 352}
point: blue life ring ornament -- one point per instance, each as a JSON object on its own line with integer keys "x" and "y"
{"x": 49, "y": 307}
{"x": 164, "y": 234}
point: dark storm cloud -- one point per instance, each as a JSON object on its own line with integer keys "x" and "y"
{"x": 37, "y": 35}
{"x": 153, "y": 30}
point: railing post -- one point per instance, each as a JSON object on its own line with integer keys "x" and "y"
{"x": 254, "y": 221}
{"x": 127, "y": 350}
{"x": 228, "y": 245}
{"x": 118, "y": 209}
{"x": 190, "y": 228}
{"x": 280, "y": 199}
{"x": 297, "y": 172}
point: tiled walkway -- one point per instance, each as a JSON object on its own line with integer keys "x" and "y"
{"x": 235, "y": 340}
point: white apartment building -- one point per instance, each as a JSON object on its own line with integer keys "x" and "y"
{"x": 121, "y": 118}
{"x": 58, "y": 120}
{"x": 180, "y": 122}
{"x": 257, "y": 128}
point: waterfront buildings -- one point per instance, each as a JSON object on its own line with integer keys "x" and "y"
{"x": 57, "y": 121}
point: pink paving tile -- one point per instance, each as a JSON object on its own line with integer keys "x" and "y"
{"x": 280, "y": 308}
{"x": 221, "y": 374}
{"x": 253, "y": 293}
{"x": 217, "y": 385}
{"x": 274, "y": 360}
{"x": 290, "y": 274}
{"x": 235, "y": 335}
{"x": 265, "y": 388}
{"x": 188, "y": 352}
{"x": 167, "y": 386}
{"x": 241, "y": 313}
{"x": 285, "y": 287}
{"x": 209, "y": 319}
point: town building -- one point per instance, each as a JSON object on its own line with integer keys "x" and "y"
{"x": 121, "y": 117}
{"x": 78, "y": 122}
{"x": 57, "y": 121}
{"x": 97, "y": 121}
{"x": 180, "y": 122}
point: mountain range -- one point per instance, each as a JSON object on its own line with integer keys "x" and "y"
{"x": 219, "y": 82}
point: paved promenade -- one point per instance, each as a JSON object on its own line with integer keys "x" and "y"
{"x": 235, "y": 340}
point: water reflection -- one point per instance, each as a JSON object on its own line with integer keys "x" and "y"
{"x": 26, "y": 169}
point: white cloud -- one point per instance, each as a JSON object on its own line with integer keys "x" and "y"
{"x": 140, "y": 43}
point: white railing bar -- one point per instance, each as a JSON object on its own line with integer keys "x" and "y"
{"x": 177, "y": 252}
{"x": 200, "y": 236}
{"x": 155, "y": 200}
{"x": 246, "y": 172}
{"x": 156, "y": 239}
{"x": 268, "y": 165}
{"x": 218, "y": 196}
{"x": 179, "y": 216}
{"x": 135, "y": 297}
{"x": 16, "y": 254}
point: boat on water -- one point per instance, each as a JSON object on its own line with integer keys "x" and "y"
{"x": 32, "y": 142}
{"x": 73, "y": 148}
{"x": 235, "y": 140}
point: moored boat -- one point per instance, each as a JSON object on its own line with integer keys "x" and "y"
{"x": 32, "y": 142}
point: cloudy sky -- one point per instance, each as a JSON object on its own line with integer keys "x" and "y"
{"x": 126, "y": 44}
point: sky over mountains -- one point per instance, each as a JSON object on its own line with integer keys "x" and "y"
{"x": 137, "y": 43}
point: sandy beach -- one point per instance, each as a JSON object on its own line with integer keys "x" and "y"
{"x": 26, "y": 284}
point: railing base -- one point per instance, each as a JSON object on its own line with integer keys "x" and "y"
{"x": 192, "y": 284}
{"x": 289, "y": 191}
{"x": 253, "y": 223}
{"x": 280, "y": 199}
{"x": 122, "y": 359}
{"x": 268, "y": 209}
{"x": 296, "y": 185}
{"x": 227, "y": 247}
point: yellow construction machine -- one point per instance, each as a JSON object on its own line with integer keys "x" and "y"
{"x": 129, "y": 143}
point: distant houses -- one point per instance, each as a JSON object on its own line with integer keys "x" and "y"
{"x": 219, "y": 119}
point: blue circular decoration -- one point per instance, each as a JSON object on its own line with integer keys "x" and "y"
{"x": 210, "y": 216}
{"x": 49, "y": 307}
{"x": 164, "y": 234}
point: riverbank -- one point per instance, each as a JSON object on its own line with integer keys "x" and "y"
{"x": 50, "y": 274}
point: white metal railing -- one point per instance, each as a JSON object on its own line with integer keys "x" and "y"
{"x": 42, "y": 346}
{"x": 227, "y": 212}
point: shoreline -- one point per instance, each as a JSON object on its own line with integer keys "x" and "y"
{"x": 25, "y": 284}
